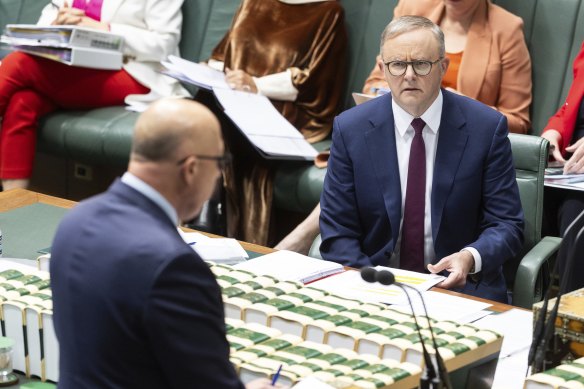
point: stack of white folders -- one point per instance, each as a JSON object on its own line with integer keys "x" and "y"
{"x": 255, "y": 116}
{"x": 71, "y": 45}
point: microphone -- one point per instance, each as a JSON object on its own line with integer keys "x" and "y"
{"x": 429, "y": 379}
{"x": 544, "y": 328}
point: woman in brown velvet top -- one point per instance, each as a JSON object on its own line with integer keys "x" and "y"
{"x": 292, "y": 51}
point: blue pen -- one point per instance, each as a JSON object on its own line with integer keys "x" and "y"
{"x": 277, "y": 375}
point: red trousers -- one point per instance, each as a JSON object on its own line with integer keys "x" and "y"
{"x": 31, "y": 87}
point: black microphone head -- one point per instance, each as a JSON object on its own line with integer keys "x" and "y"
{"x": 368, "y": 274}
{"x": 385, "y": 277}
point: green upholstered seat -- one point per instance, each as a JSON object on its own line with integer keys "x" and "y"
{"x": 527, "y": 274}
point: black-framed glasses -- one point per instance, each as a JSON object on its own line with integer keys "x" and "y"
{"x": 222, "y": 160}
{"x": 421, "y": 67}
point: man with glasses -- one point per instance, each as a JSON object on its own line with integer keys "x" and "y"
{"x": 422, "y": 178}
{"x": 134, "y": 305}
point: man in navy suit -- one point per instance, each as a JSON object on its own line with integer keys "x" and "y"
{"x": 422, "y": 178}
{"x": 134, "y": 305}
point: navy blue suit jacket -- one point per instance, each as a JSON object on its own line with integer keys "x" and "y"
{"x": 134, "y": 306}
{"x": 474, "y": 201}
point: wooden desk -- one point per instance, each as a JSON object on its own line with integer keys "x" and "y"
{"x": 14, "y": 199}
{"x": 17, "y": 198}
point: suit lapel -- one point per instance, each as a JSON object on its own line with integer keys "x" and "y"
{"x": 452, "y": 139}
{"x": 109, "y": 8}
{"x": 382, "y": 151}
{"x": 476, "y": 54}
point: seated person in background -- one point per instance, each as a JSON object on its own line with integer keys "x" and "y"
{"x": 422, "y": 178}
{"x": 565, "y": 132}
{"x": 134, "y": 305}
{"x": 489, "y": 62}
{"x": 292, "y": 51}
{"x": 488, "y": 55}
{"x": 31, "y": 87}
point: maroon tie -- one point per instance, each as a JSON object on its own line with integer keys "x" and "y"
{"x": 412, "y": 237}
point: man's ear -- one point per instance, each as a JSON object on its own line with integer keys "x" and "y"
{"x": 190, "y": 168}
{"x": 380, "y": 64}
{"x": 445, "y": 63}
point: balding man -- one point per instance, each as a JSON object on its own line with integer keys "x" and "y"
{"x": 134, "y": 306}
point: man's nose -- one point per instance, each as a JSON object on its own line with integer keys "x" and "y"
{"x": 410, "y": 73}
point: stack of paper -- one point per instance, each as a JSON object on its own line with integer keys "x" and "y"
{"x": 268, "y": 131}
{"x": 220, "y": 250}
{"x": 72, "y": 45}
{"x": 288, "y": 265}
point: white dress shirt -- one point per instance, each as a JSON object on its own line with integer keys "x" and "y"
{"x": 404, "y": 133}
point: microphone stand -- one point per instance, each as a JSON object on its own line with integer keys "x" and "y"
{"x": 444, "y": 378}
{"x": 544, "y": 328}
{"x": 429, "y": 379}
{"x": 544, "y": 356}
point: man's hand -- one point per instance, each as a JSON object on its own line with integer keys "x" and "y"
{"x": 240, "y": 80}
{"x": 458, "y": 265}
{"x": 576, "y": 162}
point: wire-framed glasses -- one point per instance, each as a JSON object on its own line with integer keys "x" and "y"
{"x": 421, "y": 67}
{"x": 222, "y": 160}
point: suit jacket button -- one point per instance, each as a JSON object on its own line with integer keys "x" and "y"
{"x": 388, "y": 254}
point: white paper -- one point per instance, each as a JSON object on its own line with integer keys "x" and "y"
{"x": 284, "y": 146}
{"x": 198, "y": 74}
{"x": 288, "y": 265}
{"x": 516, "y": 325}
{"x": 21, "y": 264}
{"x": 222, "y": 250}
{"x": 420, "y": 281}
{"x": 443, "y": 306}
{"x": 252, "y": 113}
{"x": 311, "y": 383}
{"x": 350, "y": 285}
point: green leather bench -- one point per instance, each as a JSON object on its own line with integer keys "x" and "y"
{"x": 554, "y": 31}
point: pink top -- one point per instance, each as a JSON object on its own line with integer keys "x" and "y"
{"x": 92, "y": 8}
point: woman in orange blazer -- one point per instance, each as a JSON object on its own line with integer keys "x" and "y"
{"x": 565, "y": 131}
{"x": 495, "y": 67}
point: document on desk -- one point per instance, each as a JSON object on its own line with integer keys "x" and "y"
{"x": 566, "y": 181}
{"x": 288, "y": 265}
{"x": 516, "y": 326}
{"x": 443, "y": 306}
{"x": 255, "y": 116}
{"x": 420, "y": 281}
{"x": 219, "y": 250}
{"x": 350, "y": 285}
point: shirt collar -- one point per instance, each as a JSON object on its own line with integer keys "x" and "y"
{"x": 431, "y": 117}
{"x": 152, "y": 194}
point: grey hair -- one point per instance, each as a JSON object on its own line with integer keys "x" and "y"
{"x": 409, "y": 23}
